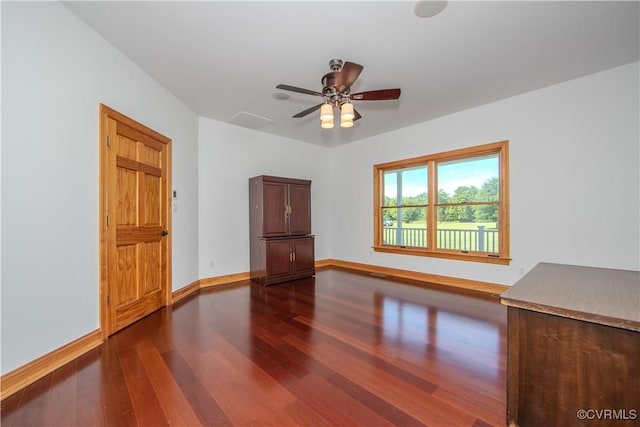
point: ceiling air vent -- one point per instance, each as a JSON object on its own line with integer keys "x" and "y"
{"x": 248, "y": 120}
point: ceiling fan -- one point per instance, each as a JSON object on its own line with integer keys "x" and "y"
{"x": 336, "y": 92}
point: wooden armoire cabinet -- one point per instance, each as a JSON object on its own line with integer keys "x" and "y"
{"x": 281, "y": 244}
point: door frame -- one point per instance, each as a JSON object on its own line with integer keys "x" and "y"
{"x": 107, "y": 168}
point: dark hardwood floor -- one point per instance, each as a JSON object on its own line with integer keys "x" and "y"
{"x": 342, "y": 349}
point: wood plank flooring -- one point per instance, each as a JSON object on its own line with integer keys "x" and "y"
{"x": 342, "y": 349}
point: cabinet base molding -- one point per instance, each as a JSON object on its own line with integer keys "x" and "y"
{"x": 21, "y": 377}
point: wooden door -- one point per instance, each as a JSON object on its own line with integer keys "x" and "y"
{"x": 300, "y": 209}
{"x": 135, "y": 220}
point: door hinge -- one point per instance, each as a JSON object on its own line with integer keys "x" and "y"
{"x": 108, "y": 220}
{"x": 108, "y": 299}
{"x": 108, "y": 140}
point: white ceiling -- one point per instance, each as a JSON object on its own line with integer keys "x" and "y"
{"x": 221, "y": 57}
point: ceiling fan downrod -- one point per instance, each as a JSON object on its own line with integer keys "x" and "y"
{"x": 336, "y": 64}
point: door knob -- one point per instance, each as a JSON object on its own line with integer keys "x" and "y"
{"x": 164, "y": 233}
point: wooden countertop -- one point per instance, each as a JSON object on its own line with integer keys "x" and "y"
{"x": 598, "y": 295}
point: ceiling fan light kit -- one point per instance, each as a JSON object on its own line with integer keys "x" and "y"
{"x": 346, "y": 115}
{"x": 346, "y": 112}
{"x": 326, "y": 112}
{"x": 326, "y": 116}
{"x": 326, "y": 124}
{"x": 337, "y": 94}
{"x": 346, "y": 123}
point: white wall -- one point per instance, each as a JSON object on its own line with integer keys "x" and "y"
{"x": 55, "y": 72}
{"x": 228, "y": 156}
{"x": 574, "y": 187}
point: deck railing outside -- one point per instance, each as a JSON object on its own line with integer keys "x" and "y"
{"x": 480, "y": 239}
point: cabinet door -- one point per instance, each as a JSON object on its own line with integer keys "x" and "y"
{"x": 275, "y": 201}
{"x": 304, "y": 255}
{"x": 279, "y": 255}
{"x": 300, "y": 216}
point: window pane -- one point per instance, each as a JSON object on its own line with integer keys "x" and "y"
{"x": 474, "y": 235}
{"x": 404, "y": 227}
{"x": 406, "y": 186}
{"x": 469, "y": 180}
{"x": 390, "y": 188}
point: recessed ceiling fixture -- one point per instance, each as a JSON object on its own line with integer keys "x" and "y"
{"x": 429, "y": 8}
{"x": 337, "y": 94}
{"x": 280, "y": 96}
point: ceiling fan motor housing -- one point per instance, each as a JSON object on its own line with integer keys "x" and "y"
{"x": 330, "y": 80}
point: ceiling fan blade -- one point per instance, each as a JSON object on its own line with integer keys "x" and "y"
{"x": 308, "y": 111}
{"x": 356, "y": 115}
{"x": 299, "y": 90}
{"x": 347, "y": 75}
{"x": 376, "y": 95}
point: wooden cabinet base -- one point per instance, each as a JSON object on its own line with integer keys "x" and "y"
{"x": 567, "y": 372}
{"x": 281, "y": 260}
{"x": 274, "y": 281}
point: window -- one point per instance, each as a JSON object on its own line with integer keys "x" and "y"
{"x": 448, "y": 205}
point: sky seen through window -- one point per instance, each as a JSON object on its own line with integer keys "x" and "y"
{"x": 451, "y": 175}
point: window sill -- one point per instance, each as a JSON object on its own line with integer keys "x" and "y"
{"x": 473, "y": 256}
